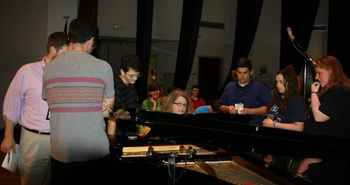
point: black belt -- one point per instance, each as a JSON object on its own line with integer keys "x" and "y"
{"x": 36, "y": 131}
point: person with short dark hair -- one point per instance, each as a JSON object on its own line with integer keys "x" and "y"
{"x": 233, "y": 77}
{"x": 195, "y": 99}
{"x": 23, "y": 104}
{"x": 125, "y": 82}
{"x": 170, "y": 89}
{"x": 162, "y": 91}
{"x": 265, "y": 77}
{"x": 253, "y": 95}
{"x": 79, "y": 89}
{"x": 153, "y": 102}
{"x": 153, "y": 76}
{"x": 124, "y": 88}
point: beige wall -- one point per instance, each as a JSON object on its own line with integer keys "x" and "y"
{"x": 26, "y": 25}
{"x": 318, "y": 42}
{"x": 266, "y": 45}
{"x": 56, "y": 10}
{"x": 23, "y": 34}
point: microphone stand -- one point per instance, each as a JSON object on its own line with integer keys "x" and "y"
{"x": 190, "y": 152}
{"x": 306, "y": 60}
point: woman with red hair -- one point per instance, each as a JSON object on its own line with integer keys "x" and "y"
{"x": 329, "y": 115}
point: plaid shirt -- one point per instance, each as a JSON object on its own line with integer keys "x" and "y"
{"x": 266, "y": 79}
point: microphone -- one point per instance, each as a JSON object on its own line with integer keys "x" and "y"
{"x": 290, "y": 34}
{"x": 291, "y": 37}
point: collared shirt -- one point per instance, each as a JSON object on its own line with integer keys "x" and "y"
{"x": 252, "y": 95}
{"x": 266, "y": 79}
{"x": 197, "y": 103}
{"x": 124, "y": 95}
{"x": 23, "y": 102}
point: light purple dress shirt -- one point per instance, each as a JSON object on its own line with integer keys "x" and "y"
{"x": 23, "y": 102}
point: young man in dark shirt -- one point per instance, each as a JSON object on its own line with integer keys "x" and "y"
{"x": 253, "y": 95}
{"x": 124, "y": 90}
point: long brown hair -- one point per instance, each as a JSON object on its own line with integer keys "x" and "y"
{"x": 337, "y": 76}
{"x": 290, "y": 82}
{"x": 169, "y": 101}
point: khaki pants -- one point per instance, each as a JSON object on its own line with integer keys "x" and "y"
{"x": 34, "y": 160}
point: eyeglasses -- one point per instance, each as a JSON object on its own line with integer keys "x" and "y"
{"x": 135, "y": 75}
{"x": 180, "y": 104}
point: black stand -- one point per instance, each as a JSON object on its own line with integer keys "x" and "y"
{"x": 190, "y": 152}
{"x": 307, "y": 60}
{"x": 172, "y": 167}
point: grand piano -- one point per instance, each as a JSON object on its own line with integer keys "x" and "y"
{"x": 213, "y": 149}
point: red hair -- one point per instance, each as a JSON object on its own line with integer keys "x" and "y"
{"x": 337, "y": 76}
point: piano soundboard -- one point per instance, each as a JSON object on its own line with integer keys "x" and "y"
{"x": 217, "y": 163}
{"x": 180, "y": 150}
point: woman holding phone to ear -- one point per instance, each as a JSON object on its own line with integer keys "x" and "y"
{"x": 329, "y": 115}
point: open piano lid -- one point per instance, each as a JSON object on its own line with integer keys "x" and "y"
{"x": 234, "y": 133}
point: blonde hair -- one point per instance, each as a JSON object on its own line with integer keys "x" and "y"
{"x": 167, "y": 106}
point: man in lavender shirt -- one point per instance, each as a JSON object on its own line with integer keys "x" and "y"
{"x": 23, "y": 104}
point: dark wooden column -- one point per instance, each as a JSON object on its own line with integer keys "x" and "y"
{"x": 191, "y": 17}
{"x": 248, "y": 16}
{"x": 143, "y": 43}
{"x": 338, "y": 32}
{"x": 300, "y": 16}
{"x": 88, "y": 10}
